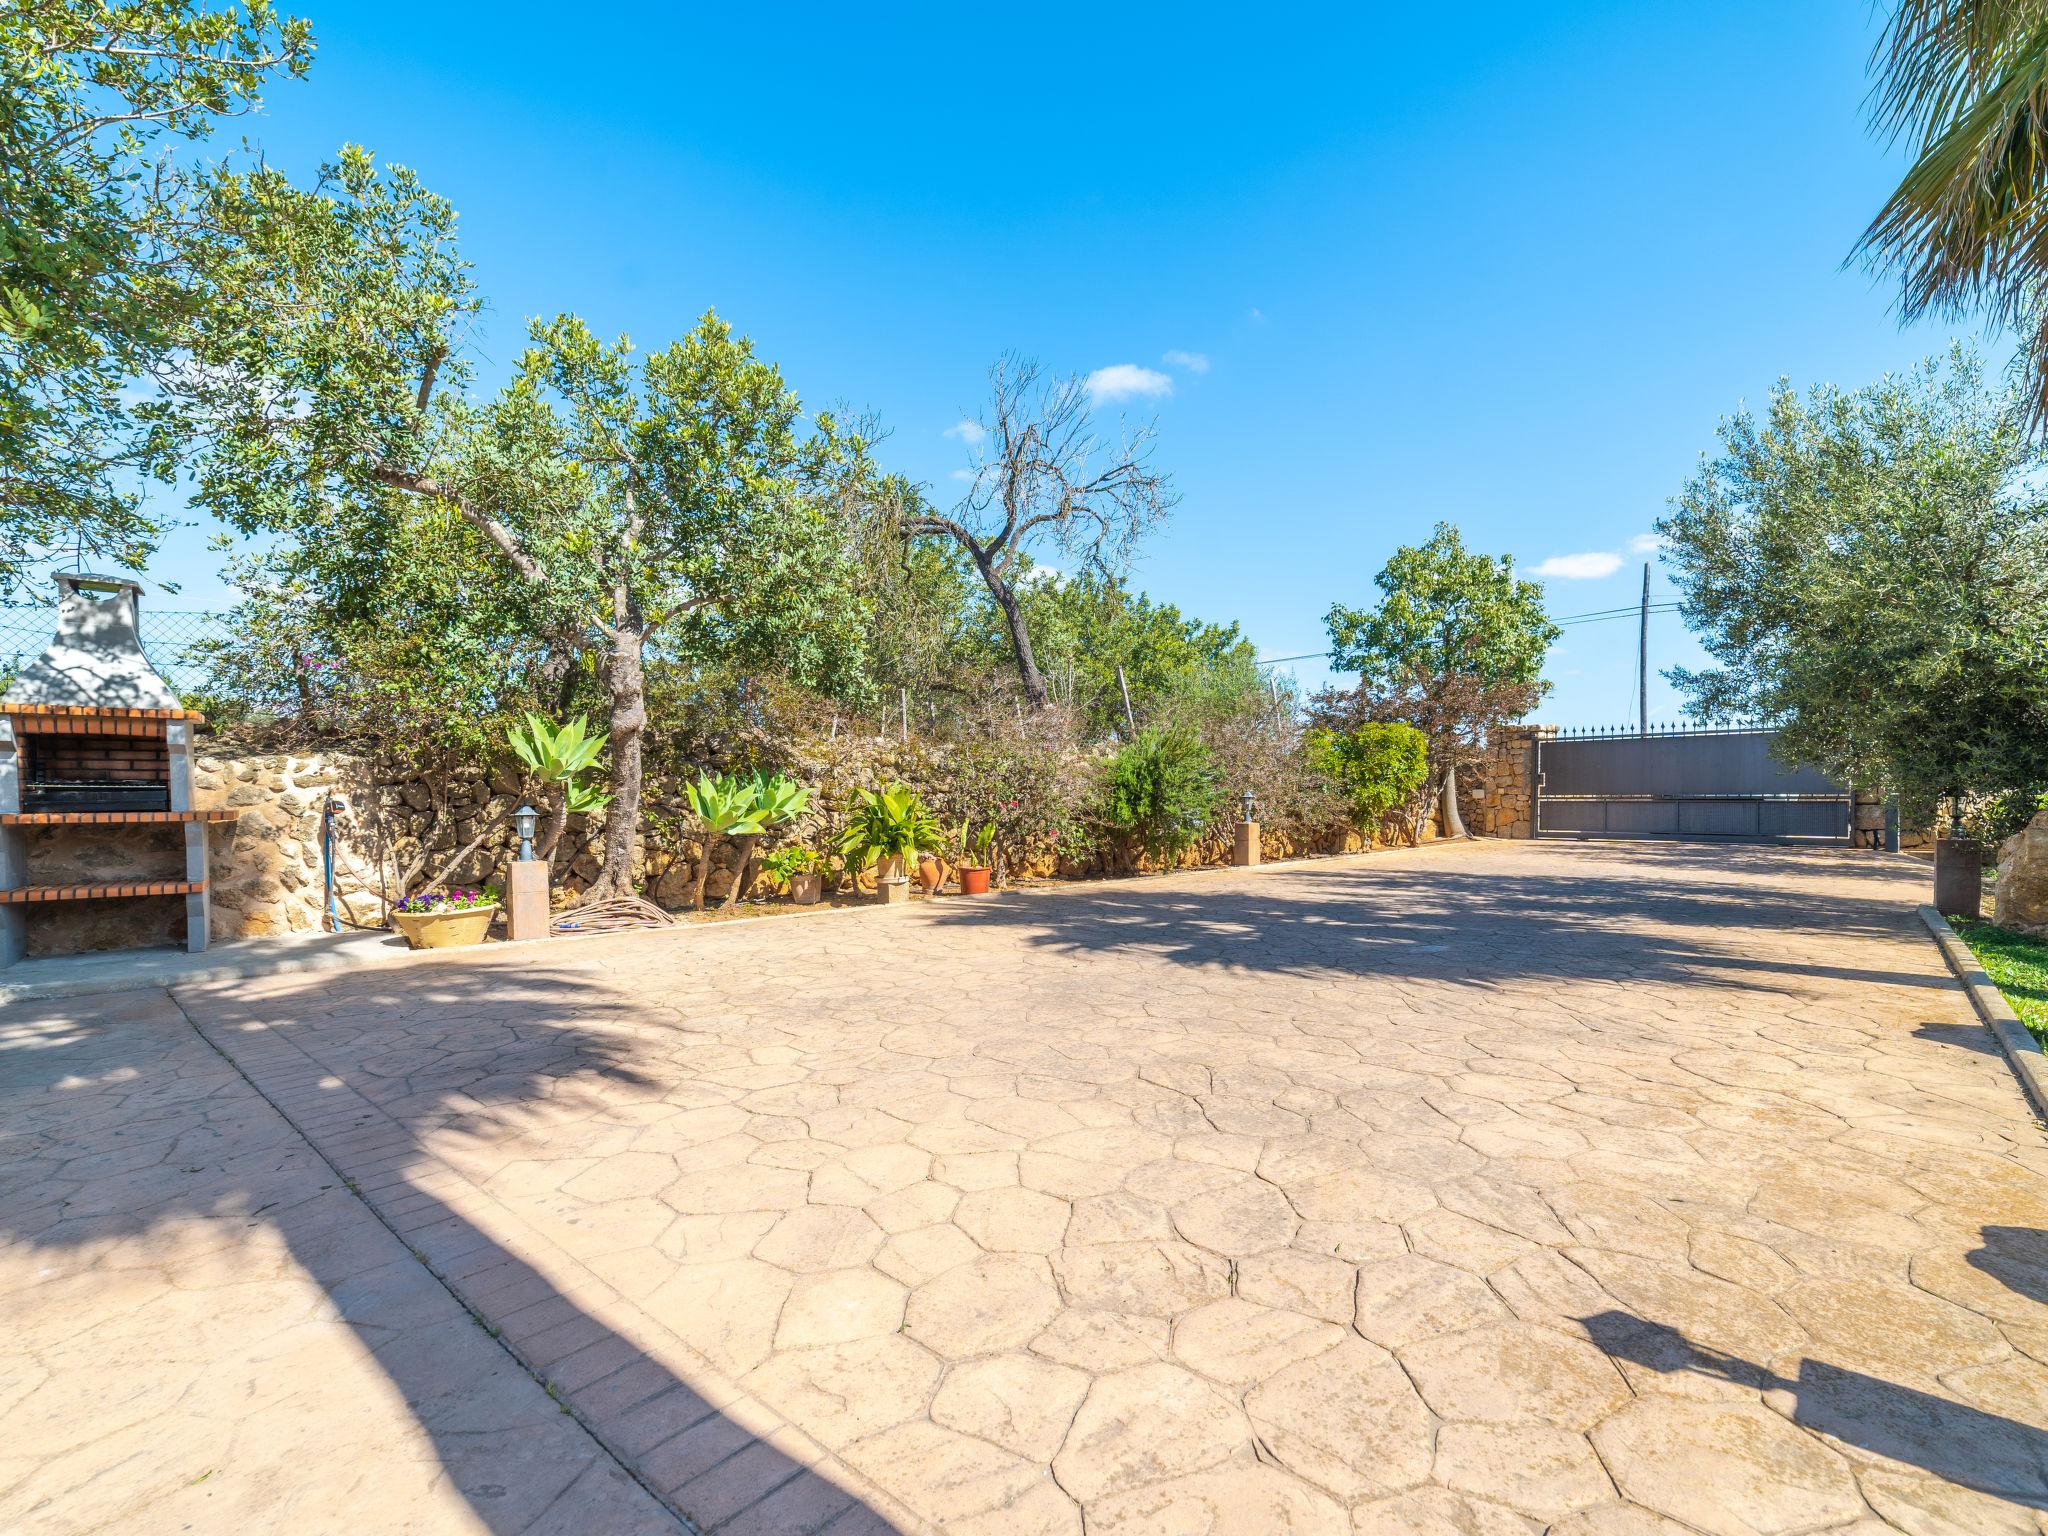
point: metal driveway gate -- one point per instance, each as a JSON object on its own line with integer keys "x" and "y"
{"x": 1683, "y": 784}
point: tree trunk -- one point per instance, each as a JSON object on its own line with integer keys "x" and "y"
{"x": 626, "y": 683}
{"x": 742, "y": 869}
{"x": 1020, "y": 638}
{"x": 703, "y": 869}
{"x": 1454, "y": 821}
{"x": 551, "y": 834}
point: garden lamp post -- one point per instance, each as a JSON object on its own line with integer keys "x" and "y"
{"x": 526, "y": 884}
{"x": 1247, "y": 851}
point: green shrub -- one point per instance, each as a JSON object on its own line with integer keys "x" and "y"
{"x": 791, "y": 859}
{"x": 1157, "y": 792}
{"x": 1993, "y": 818}
{"x": 1377, "y": 766}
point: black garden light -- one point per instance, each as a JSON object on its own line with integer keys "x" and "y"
{"x": 526, "y": 821}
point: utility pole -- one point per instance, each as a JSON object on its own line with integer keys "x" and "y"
{"x": 1643, "y": 660}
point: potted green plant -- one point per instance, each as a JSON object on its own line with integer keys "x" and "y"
{"x": 889, "y": 827}
{"x": 976, "y": 855}
{"x": 799, "y": 868}
{"x": 446, "y": 919}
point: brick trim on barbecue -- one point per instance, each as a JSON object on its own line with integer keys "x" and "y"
{"x": 27, "y": 895}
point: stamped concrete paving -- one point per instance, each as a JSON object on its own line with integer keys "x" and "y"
{"x": 1608, "y": 1190}
{"x": 201, "y": 1330}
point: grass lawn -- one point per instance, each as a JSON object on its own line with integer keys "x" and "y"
{"x": 2018, "y": 964}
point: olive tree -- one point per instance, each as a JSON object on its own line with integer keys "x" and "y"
{"x": 1869, "y": 571}
{"x": 97, "y": 217}
{"x": 630, "y": 502}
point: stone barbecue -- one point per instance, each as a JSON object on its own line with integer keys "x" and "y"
{"x": 90, "y": 735}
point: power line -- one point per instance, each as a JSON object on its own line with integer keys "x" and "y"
{"x": 1603, "y": 616}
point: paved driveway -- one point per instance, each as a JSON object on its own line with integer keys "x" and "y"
{"x": 1484, "y": 1190}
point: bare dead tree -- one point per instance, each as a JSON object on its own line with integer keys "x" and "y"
{"x": 1043, "y": 475}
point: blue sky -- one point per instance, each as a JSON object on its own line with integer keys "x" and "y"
{"x": 1504, "y": 265}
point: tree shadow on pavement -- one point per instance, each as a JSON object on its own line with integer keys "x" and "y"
{"x": 494, "y": 1049}
{"x": 1646, "y": 912}
{"x": 1952, "y": 1441}
{"x": 1971, "y": 1037}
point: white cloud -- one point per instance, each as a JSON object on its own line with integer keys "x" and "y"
{"x": 1127, "y": 381}
{"x": 1590, "y": 566}
{"x": 1194, "y": 362}
{"x": 1256, "y": 316}
{"x": 1646, "y": 543}
{"x": 961, "y": 474}
{"x": 969, "y": 432}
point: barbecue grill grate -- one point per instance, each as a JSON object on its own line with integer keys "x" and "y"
{"x": 94, "y": 795}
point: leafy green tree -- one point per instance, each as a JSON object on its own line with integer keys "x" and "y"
{"x": 1084, "y": 627}
{"x": 671, "y": 501}
{"x": 915, "y": 596}
{"x": 1870, "y": 571}
{"x": 1379, "y": 766}
{"x": 1457, "y": 642}
{"x": 1965, "y": 84}
{"x": 97, "y": 214}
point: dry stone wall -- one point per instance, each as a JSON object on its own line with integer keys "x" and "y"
{"x": 267, "y": 866}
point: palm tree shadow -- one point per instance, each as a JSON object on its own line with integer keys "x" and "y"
{"x": 504, "y": 1041}
{"x": 1952, "y": 1441}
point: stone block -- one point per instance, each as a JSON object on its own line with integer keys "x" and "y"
{"x": 2022, "y": 890}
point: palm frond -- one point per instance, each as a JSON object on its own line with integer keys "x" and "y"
{"x": 1966, "y": 230}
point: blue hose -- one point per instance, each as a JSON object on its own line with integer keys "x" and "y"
{"x": 327, "y": 862}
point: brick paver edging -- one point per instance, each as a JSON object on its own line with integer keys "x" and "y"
{"x": 2029, "y": 1065}
{"x": 437, "y": 1212}
{"x": 300, "y": 1093}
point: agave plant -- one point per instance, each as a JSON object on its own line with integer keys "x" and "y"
{"x": 777, "y": 800}
{"x": 742, "y": 809}
{"x": 727, "y": 805}
{"x": 889, "y": 824}
{"x": 556, "y": 758}
{"x": 556, "y": 754}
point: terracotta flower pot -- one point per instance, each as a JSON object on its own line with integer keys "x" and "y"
{"x": 974, "y": 879}
{"x": 805, "y": 890}
{"x": 445, "y": 930}
{"x": 931, "y": 874}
